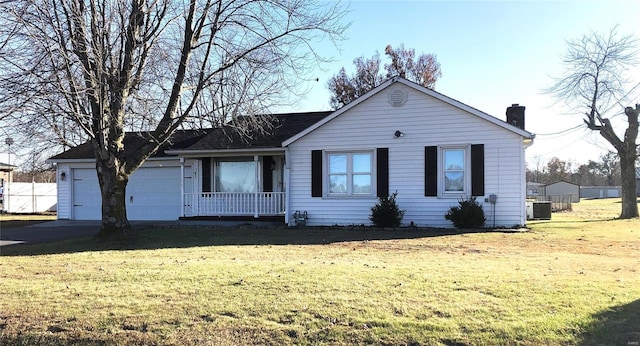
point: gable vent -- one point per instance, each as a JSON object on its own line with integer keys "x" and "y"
{"x": 397, "y": 97}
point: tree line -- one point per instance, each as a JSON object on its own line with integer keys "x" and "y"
{"x": 603, "y": 172}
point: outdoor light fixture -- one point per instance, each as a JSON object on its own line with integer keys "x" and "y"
{"x": 63, "y": 175}
{"x": 398, "y": 134}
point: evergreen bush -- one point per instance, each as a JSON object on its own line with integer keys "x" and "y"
{"x": 467, "y": 214}
{"x": 386, "y": 212}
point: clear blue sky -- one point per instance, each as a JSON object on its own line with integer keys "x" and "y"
{"x": 492, "y": 54}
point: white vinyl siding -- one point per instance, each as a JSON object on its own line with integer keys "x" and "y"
{"x": 425, "y": 121}
{"x": 64, "y": 192}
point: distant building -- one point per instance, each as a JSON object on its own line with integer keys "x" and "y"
{"x": 6, "y": 176}
{"x": 6, "y": 173}
{"x": 600, "y": 191}
{"x": 563, "y": 188}
{"x": 534, "y": 189}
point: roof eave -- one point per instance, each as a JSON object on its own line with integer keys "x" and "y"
{"x": 57, "y": 161}
{"x": 92, "y": 160}
{"x": 200, "y": 153}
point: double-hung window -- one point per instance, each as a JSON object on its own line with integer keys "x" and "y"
{"x": 350, "y": 174}
{"x": 454, "y": 171}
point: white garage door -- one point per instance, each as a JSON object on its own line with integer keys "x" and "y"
{"x": 86, "y": 195}
{"x": 152, "y": 194}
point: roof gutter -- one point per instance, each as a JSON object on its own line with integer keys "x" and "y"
{"x": 224, "y": 152}
{"x": 528, "y": 141}
{"x": 92, "y": 160}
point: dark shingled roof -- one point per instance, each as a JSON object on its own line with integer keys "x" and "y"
{"x": 133, "y": 140}
{"x": 284, "y": 127}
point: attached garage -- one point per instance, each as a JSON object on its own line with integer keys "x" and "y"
{"x": 153, "y": 193}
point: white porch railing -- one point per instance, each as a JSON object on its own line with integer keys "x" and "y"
{"x": 234, "y": 204}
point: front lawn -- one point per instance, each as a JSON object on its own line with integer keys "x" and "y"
{"x": 571, "y": 280}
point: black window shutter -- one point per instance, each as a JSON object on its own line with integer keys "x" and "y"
{"x": 316, "y": 173}
{"x": 206, "y": 174}
{"x": 382, "y": 172}
{"x": 477, "y": 170}
{"x": 267, "y": 174}
{"x": 431, "y": 171}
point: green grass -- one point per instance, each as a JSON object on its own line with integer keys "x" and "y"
{"x": 570, "y": 280}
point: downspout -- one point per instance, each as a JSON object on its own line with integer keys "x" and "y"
{"x": 285, "y": 186}
{"x": 527, "y": 142}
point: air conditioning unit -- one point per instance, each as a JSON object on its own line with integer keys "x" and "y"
{"x": 542, "y": 210}
{"x": 538, "y": 210}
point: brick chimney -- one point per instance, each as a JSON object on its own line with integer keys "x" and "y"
{"x": 515, "y": 115}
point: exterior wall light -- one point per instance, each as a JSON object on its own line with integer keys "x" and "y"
{"x": 398, "y": 134}
{"x": 63, "y": 175}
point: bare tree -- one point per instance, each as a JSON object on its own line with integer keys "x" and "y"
{"x": 345, "y": 89}
{"x": 35, "y": 169}
{"x": 425, "y": 70}
{"x": 103, "y": 67}
{"x": 596, "y": 80}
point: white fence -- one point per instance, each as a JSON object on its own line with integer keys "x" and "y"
{"x": 29, "y": 197}
{"x": 234, "y": 204}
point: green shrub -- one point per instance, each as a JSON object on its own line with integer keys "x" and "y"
{"x": 467, "y": 214}
{"x": 386, "y": 212}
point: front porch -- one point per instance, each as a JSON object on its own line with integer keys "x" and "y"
{"x": 234, "y": 204}
{"x": 238, "y": 187}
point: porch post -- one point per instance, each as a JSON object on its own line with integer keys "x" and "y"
{"x": 285, "y": 186}
{"x": 257, "y": 173}
{"x": 182, "y": 186}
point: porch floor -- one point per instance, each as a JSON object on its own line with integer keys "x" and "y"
{"x": 247, "y": 218}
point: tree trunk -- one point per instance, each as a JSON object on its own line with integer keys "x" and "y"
{"x": 113, "y": 185}
{"x": 629, "y": 198}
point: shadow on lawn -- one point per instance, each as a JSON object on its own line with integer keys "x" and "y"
{"x": 542, "y": 222}
{"x": 185, "y": 237}
{"x": 619, "y": 325}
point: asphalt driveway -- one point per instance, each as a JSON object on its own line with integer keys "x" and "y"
{"x": 48, "y": 232}
{"x": 58, "y": 230}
